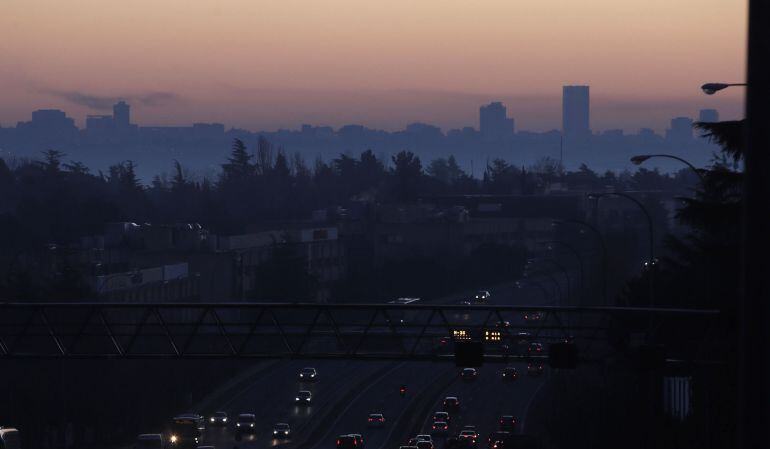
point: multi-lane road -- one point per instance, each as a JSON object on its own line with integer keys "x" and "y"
{"x": 347, "y": 391}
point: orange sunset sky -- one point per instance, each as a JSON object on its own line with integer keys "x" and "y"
{"x": 270, "y": 64}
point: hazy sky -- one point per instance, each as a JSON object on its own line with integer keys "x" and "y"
{"x": 264, "y": 64}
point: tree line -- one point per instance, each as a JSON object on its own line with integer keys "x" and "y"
{"x": 52, "y": 201}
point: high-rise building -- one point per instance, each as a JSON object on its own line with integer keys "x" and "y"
{"x": 575, "y": 115}
{"x": 708, "y": 116}
{"x": 680, "y": 131}
{"x": 121, "y": 115}
{"x": 494, "y": 122}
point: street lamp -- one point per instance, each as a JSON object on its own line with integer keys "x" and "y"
{"x": 712, "y": 88}
{"x": 538, "y": 285}
{"x": 601, "y": 244}
{"x": 571, "y": 249}
{"x": 651, "y": 261}
{"x": 564, "y": 270}
{"x": 555, "y": 282}
{"x": 640, "y": 159}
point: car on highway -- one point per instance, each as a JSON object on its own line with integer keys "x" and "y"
{"x": 533, "y": 316}
{"x": 425, "y": 445}
{"x": 455, "y": 442}
{"x": 246, "y": 423}
{"x": 359, "y": 439}
{"x": 535, "y": 369}
{"x": 347, "y": 442}
{"x": 496, "y": 437}
{"x": 218, "y": 419}
{"x": 303, "y": 397}
{"x": 451, "y": 403}
{"x": 441, "y": 416}
{"x": 507, "y": 423}
{"x": 523, "y": 337}
{"x": 424, "y": 437}
{"x": 10, "y": 438}
{"x": 482, "y": 296}
{"x": 469, "y": 374}
{"x": 469, "y": 435}
{"x": 535, "y": 349}
{"x": 375, "y": 420}
{"x": 308, "y": 374}
{"x": 503, "y": 324}
{"x": 439, "y": 427}
{"x": 143, "y": 441}
{"x": 186, "y": 430}
{"x": 281, "y": 430}
{"x": 510, "y": 373}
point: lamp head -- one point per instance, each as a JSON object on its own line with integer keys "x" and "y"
{"x": 712, "y": 88}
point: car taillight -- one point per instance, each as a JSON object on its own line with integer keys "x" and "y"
{"x": 338, "y": 442}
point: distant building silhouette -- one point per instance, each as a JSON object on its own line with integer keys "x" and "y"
{"x": 121, "y": 113}
{"x": 575, "y": 116}
{"x": 494, "y": 122}
{"x": 680, "y": 132}
{"x": 49, "y": 125}
{"x": 708, "y": 116}
{"x": 103, "y": 128}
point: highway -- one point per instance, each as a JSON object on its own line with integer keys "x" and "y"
{"x": 347, "y": 391}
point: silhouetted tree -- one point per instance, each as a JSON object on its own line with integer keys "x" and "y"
{"x": 239, "y": 166}
{"x": 407, "y": 172}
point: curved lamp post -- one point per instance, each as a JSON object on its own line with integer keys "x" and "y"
{"x": 651, "y": 262}
{"x": 564, "y": 270}
{"x": 535, "y": 284}
{"x": 712, "y": 88}
{"x": 640, "y": 159}
{"x": 572, "y": 250}
{"x": 555, "y": 282}
{"x": 601, "y": 244}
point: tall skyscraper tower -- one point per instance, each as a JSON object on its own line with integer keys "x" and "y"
{"x": 708, "y": 116}
{"x": 680, "y": 132}
{"x": 575, "y": 116}
{"x": 494, "y": 123}
{"x": 121, "y": 113}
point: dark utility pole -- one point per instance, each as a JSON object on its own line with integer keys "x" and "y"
{"x": 754, "y": 338}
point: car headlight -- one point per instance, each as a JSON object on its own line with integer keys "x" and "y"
{"x": 224, "y": 419}
{"x": 237, "y": 424}
{"x": 275, "y": 432}
{"x": 252, "y": 424}
{"x": 297, "y": 398}
{"x": 174, "y": 438}
{"x": 212, "y": 419}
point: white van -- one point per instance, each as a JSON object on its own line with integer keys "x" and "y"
{"x": 9, "y": 438}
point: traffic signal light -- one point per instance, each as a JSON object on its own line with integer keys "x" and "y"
{"x": 469, "y": 354}
{"x": 563, "y": 355}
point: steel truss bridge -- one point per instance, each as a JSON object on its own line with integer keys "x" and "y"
{"x": 343, "y": 331}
